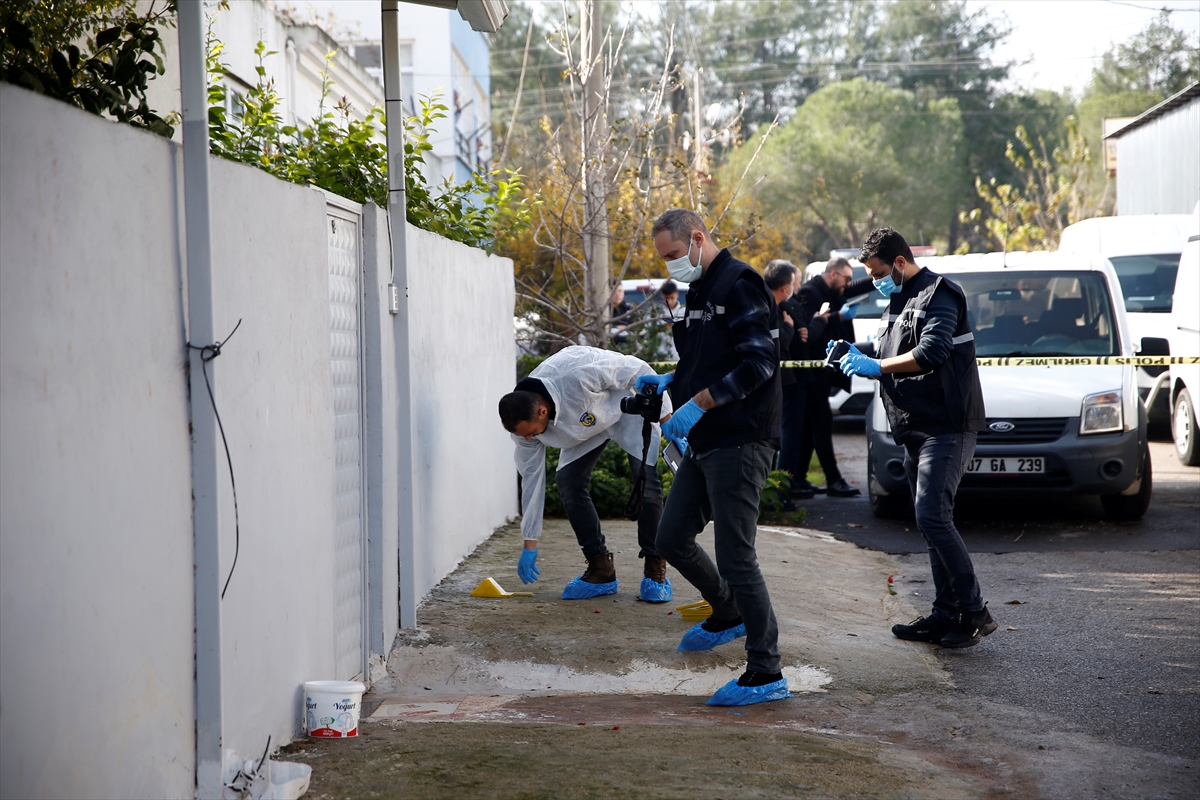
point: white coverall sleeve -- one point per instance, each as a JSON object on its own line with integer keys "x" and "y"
{"x": 531, "y": 463}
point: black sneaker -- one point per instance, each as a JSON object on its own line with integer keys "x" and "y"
{"x": 840, "y": 488}
{"x": 970, "y": 629}
{"x": 923, "y": 629}
{"x": 751, "y": 678}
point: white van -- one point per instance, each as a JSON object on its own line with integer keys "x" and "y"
{"x": 1144, "y": 249}
{"x": 1050, "y": 429}
{"x": 1185, "y": 341}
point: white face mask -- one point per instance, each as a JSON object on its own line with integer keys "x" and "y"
{"x": 682, "y": 268}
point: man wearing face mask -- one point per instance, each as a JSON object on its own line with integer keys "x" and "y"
{"x": 826, "y": 291}
{"x": 727, "y": 398}
{"x": 929, "y": 383}
{"x": 572, "y": 400}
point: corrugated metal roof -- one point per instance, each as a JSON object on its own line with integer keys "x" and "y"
{"x": 1174, "y": 101}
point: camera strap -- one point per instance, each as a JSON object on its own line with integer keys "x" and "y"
{"x": 634, "y": 507}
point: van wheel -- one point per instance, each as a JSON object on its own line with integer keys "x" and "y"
{"x": 886, "y": 506}
{"x": 1131, "y": 506}
{"x": 1183, "y": 430}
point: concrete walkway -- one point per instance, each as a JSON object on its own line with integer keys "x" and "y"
{"x": 540, "y": 697}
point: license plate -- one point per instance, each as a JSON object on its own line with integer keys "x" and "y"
{"x": 1007, "y": 465}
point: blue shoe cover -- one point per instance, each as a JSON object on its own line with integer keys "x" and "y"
{"x": 733, "y": 695}
{"x": 578, "y": 590}
{"x": 654, "y": 592}
{"x": 699, "y": 639}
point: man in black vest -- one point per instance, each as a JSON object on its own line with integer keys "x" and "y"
{"x": 929, "y": 383}
{"x": 726, "y": 394}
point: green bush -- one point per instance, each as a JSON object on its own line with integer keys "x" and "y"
{"x": 348, "y": 157}
{"x": 612, "y": 483}
{"x": 98, "y": 55}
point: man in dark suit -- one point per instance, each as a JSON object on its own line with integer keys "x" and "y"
{"x": 822, "y": 300}
{"x": 783, "y": 279}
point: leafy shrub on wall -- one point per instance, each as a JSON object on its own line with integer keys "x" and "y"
{"x": 98, "y": 55}
{"x": 348, "y": 157}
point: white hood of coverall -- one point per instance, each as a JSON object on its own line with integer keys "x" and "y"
{"x": 587, "y": 385}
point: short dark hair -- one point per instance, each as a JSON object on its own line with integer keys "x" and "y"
{"x": 835, "y": 264}
{"x": 518, "y": 407}
{"x": 886, "y": 245}
{"x": 680, "y": 222}
{"x": 669, "y": 287}
{"x": 779, "y": 273}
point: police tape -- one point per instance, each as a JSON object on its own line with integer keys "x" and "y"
{"x": 1023, "y": 361}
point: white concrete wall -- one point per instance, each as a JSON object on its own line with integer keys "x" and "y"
{"x": 96, "y": 610}
{"x": 275, "y": 395}
{"x": 462, "y": 344}
{"x": 96, "y": 614}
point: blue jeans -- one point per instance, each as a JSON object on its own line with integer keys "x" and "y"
{"x": 934, "y": 465}
{"x": 724, "y": 486}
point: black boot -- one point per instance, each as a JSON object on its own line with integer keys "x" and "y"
{"x": 839, "y": 488}
{"x": 970, "y": 629}
{"x": 924, "y": 629}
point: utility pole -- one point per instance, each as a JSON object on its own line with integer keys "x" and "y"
{"x": 205, "y": 506}
{"x": 700, "y": 162}
{"x": 596, "y": 253}
{"x": 396, "y": 210}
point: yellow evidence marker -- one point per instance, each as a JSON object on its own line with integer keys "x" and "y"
{"x": 695, "y": 612}
{"x": 489, "y": 588}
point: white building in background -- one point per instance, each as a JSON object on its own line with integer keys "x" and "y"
{"x": 439, "y": 54}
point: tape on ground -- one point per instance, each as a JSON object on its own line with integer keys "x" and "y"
{"x": 1024, "y": 361}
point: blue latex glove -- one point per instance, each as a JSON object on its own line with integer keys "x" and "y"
{"x": 661, "y": 381}
{"x": 848, "y": 312}
{"x": 682, "y": 421}
{"x": 527, "y": 569}
{"x": 857, "y": 364}
{"x": 829, "y": 346}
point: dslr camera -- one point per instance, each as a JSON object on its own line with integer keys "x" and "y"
{"x": 647, "y": 403}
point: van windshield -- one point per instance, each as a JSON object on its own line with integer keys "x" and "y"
{"x": 1148, "y": 282}
{"x": 1040, "y": 313}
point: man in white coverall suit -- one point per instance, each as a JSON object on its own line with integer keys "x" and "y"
{"x": 572, "y": 400}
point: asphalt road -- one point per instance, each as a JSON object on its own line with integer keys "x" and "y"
{"x": 1100, "y": 621}
{"x": 1015, "y": 522}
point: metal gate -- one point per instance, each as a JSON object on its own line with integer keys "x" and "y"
{"x": 345, "y": 307}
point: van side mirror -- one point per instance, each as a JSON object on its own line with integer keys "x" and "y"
{"x": 1154, "y": 346}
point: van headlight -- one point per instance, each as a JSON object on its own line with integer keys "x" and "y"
{"x": 1101, "y": 413}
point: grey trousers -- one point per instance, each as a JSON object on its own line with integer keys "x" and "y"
{"x": 574, "y": 481}
{"x": 724, "y": 486}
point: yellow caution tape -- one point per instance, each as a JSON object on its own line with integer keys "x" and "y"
{"x": 1023, "y": 361}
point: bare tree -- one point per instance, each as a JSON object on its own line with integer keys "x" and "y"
{"x": 614, "y": 160}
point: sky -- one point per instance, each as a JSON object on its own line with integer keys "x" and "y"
{"x": 1055, "y": 42}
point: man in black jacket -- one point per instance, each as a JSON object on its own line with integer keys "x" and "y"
{"x": 822, "y": 299}
{"x": 727, "y": 401}
{"x": 929, "y": 383}
{"x": 782, "y": 278}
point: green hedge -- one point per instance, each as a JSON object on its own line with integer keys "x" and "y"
{"x": 612, "y": 483}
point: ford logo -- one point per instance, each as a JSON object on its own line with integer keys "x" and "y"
{"x": 1002, "y": 426}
